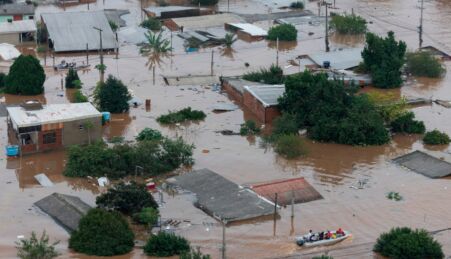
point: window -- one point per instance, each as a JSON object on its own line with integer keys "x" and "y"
{"x": 81, "y": 127}
{"x": 49, "y": 138}
{"x": 31, "y": 17}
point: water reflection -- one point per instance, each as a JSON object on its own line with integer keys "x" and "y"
{"x": 283, "y": 45}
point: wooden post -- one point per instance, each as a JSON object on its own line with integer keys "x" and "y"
{"x": 212, "y": 62}
{"x": 153, "y": 73}
{"x": 53, "y": 59}
{"x": 117, "y": 49}
{"x": 87, "y": 54}
{"x": 327, "y": 30}
{"x": 277, "y": 52}
{"x": 223, "y": 250}
{"x": 275, "y": 214}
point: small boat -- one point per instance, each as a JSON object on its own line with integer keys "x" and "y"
{"x": 303, "y": 240}
{"x": 65, "y": 65}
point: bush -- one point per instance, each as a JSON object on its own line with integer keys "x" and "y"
{"x": 394, "y": 196}
{"x": 405, "y": 243}
{"x": 388, "y": 105}
{"x": 112, "y": 96}
{"x": 127, "y": 198}
{"x": 283, "y": 32}
{"x": 26, "y": 76}
{"x": 348, "y": 24}
{"x": 406, "y": 124}
{"x": 272, "y": 76}
{"x": 102, "y": 233}
{"x": 183, "y": 115}
{"x": 383, "y": 58}
{"x": 147, "y": 216}
{"x": 79, "y": 97}
{"x": 113, "y": 25}
{"x": 149, "y": 134}
{"x": 164, "y": 244}
{"x": 285, "y": 125}
{"x": 323, "y": 257}
{"x": 194, "y": 254}
{"x": 289, "y": 146}
{"x": 424, "y": 64}
{"x": 205, "y": 2}
{"x": 436, "y": 137}
{"x": 34, "y": 248}
{"x": 297, "y": 5}
{"x": 71, "y": 77}
{"x": 249, "y": 128}
{"x": 151, "y": 23}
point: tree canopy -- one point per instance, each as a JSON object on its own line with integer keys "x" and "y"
{"x": 283, "y": 32}
{"x": 383, "y": 58}
{"x": 71, "y": 78}
{"x": 112, "y": 96}
{"x": 424, "y": 63}
{"x": 26, "y": 76}
{"x": 348, "y": 24}
{"x": 166, "y": 244}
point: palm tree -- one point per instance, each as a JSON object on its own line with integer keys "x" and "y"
{"x": 229, "y": 39}
{"x": 156, "y": 43}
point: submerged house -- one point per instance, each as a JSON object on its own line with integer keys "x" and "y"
{"x": 35, "y": 127}
{"x": 16, "y": 32}
{"x": 173, "y": 11}
{"x": 16, "y": 12}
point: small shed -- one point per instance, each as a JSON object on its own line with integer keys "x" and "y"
{"x": 205, "y": 21}
{"x": 425, "y": 164}
{"x": 262, "y": 100}
{"x": 247, "y": 29}
{"x": 66, "y": 210}
{"x": 174, "y": 11}
{"x": 16, "y": 32}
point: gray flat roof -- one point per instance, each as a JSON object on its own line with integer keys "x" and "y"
{"x": 341, "y": 59}
{"x": 222, "y": 198}
{"x": 206, "y": 21}
{"x": 17, "y": 8}
{"x": 71, "y": 31}
{"x": 238, "y": 83}
{"x": 17, "y": 27}
{"x": 268, "y": 95}
{"x": 424, "y": 164}
{"x": 157, "y": 10}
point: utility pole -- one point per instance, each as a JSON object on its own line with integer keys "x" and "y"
{"x": 212, "y": 61}
{"x": 275, "y": 214}
{"x": 102, "y": 66}
{"x": 327, "y": 27}
{"x": 223, "y": 249}
{"x": 228, "y": 6}
{"x": 277, "y": 51}
{"x": 420, "y": 28}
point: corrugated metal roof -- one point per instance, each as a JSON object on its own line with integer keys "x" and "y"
{"x": 205, "y": 21}
{"x": 342, "y": 59}
{"x": 52, "y": 113}
{"x": 157, "y": 10}
{"x": 266, "y": 94}
{"x": 17, "y": 8}
{"x": 250, "y": 29}
{"x": 8, "y": 51}
{"x": 70, "y": 31}
{"x": 17, "y": 27}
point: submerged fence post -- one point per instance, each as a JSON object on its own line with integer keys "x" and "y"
{"x": 275, "y": 214}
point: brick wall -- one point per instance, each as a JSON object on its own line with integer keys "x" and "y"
{"x": 57, "y": 144}
{"x": 264, "y": 115}
{"x": 232, "y": 92}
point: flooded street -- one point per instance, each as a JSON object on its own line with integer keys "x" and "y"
{"x": 331, "y": 168}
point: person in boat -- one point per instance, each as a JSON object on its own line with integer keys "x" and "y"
{"x": 309, "y": 235}
{"x": 321, "y": 235}
{"x": 340, "y": 232}
{"x": 334, "y": 236}
{"x": 328, "y": 235}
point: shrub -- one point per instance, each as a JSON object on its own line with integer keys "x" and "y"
{"x": 26, "y": 76}
{"x": 113, "y": 25}
{"x": 394, "y": 196}
{"x": 249, "y": 128}
{"x": 147, "y": 216}
{"x": 151, "y": 23}
{"x": 79, "y": 97}
{"x": 194, "y": 254}
{"x": 165, "y": 244}
{"x": 283, "y": 32}
{"x": 323, "y": 257}
{"x": 205, "y": 2}
{"x": 388, "y": 105}
{"x": 149, "y": 134}
{"x": 297, "y": 5}
{"x": 289, "y": 146}
{"x": 183, "y": 115}
{"x": 348, "y": 24}
{"x": 112, "y": 96}
{"x": 34, "y": 248}
{"x": 406, "y": 124}
{"x": 127, "y": 198}
{"x": 71, "y": 76}
{"x": 383, "y": 58}
{"x": 436, "y": 137}
{"x": 102, "y": 233}
{"x": 405, "y": 243}
{"x": 285, "y": 125}
{"x": 273, "y": 75}
{"x": 424, "y": 64}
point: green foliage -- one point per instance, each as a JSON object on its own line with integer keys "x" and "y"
{"x": 151, "y": 23}
{"x": 41, "y": 33}
{"x": 388, "y": 105}
{"x": 194, "y": 254}
{"x": 323, "y": 257}
{"x": 147, "y": 216}
{"x": 2, "y": 80}
{"x": 155, "y": 43}
{"x": 112, "y": 96}
{"x": 182, "y": 115}
{"x": 249, "y": 127}
{"x": 297, "y": 5}
{"x": 100, "y": 67}
{"x": 436, "y": 137}
{"x": 331, "y": 111}
{"x": 286, "y": 124}
{"x": 406, "y": 123}
{"x": 164, "y": 244}
{"x": 127, "y": 198}
{"x": 205, "y": 2}
{"x": 149, "y": 134}
{"x": 79, "y": 97}
{"x": 394, "y": 196}
{"x": 289, "y": 146}
{"x": 102, "y": 233}
{"x": 348, "y": 24}
{"x": 113, "y": 25}
{"x": 71, "y": 77}
{"x": 405, "y": 243}
{"x": 283, "y": 32}
{"x": 26, "y": 76}
{"x": 384, "y": 58}
{"x": 424, "y": 64}
{"x": 34, "y": 248}
{"x": 229, "y": 39}
{"x": 273, "y": 75}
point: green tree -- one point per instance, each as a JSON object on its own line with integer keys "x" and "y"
{"x": 283, "y": 32}
{"x": 113, "y": 25}
{"x": 229, "y": 39}
{"x": 147, "y": 216}
{"x": 297, "y": 5}
{"x": 127, "y": 198}
{"x": 405, "y": 243}
{"x": 149, "y": 135}
{"x": 186, "y": 114}
{"x": 289, "y": 146}
{"x": 26, "y": 76}
{"x": 273, "y": 75}
{"x": 248, "y": 128}
{"x": 112, "y": 96}
{"x": 383, "y": 58}
{"x": 102, "y": 233}
{"x": 406, "y": 123}
{"x": 34, "y": 248}
{"x": 79, "y": 97}
{"x": 348, "y": 24}
{"x": 155, "y": 43}
{"x": 194, "y": 254}
{"x": 71, "y": 78}
{"x": 165, "y": 244}
{"x": 424, "y": 63}
{"x": 151, "y": 23}
{"x": 286, "y": 124}
{"x": 436, "y": 137}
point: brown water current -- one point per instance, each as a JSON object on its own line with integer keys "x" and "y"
{"x": 331, "y": 168}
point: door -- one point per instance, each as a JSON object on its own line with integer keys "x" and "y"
{"x": 17, "y": 17}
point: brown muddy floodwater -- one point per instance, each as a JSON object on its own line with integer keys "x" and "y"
{"x": 332, "y": 169}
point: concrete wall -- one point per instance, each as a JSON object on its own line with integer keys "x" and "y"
{"x": 264, "y": 114}
{"x": 73, "y": 135}
{"x": 11, "y": 38}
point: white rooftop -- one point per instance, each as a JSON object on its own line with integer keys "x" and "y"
{"x": 8, "y": 51}
{"x": 52, "y": 113}
{"x": 250, "y": 29}
{"x": 268, "y": 95}
{"x": 17, "y": 27}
